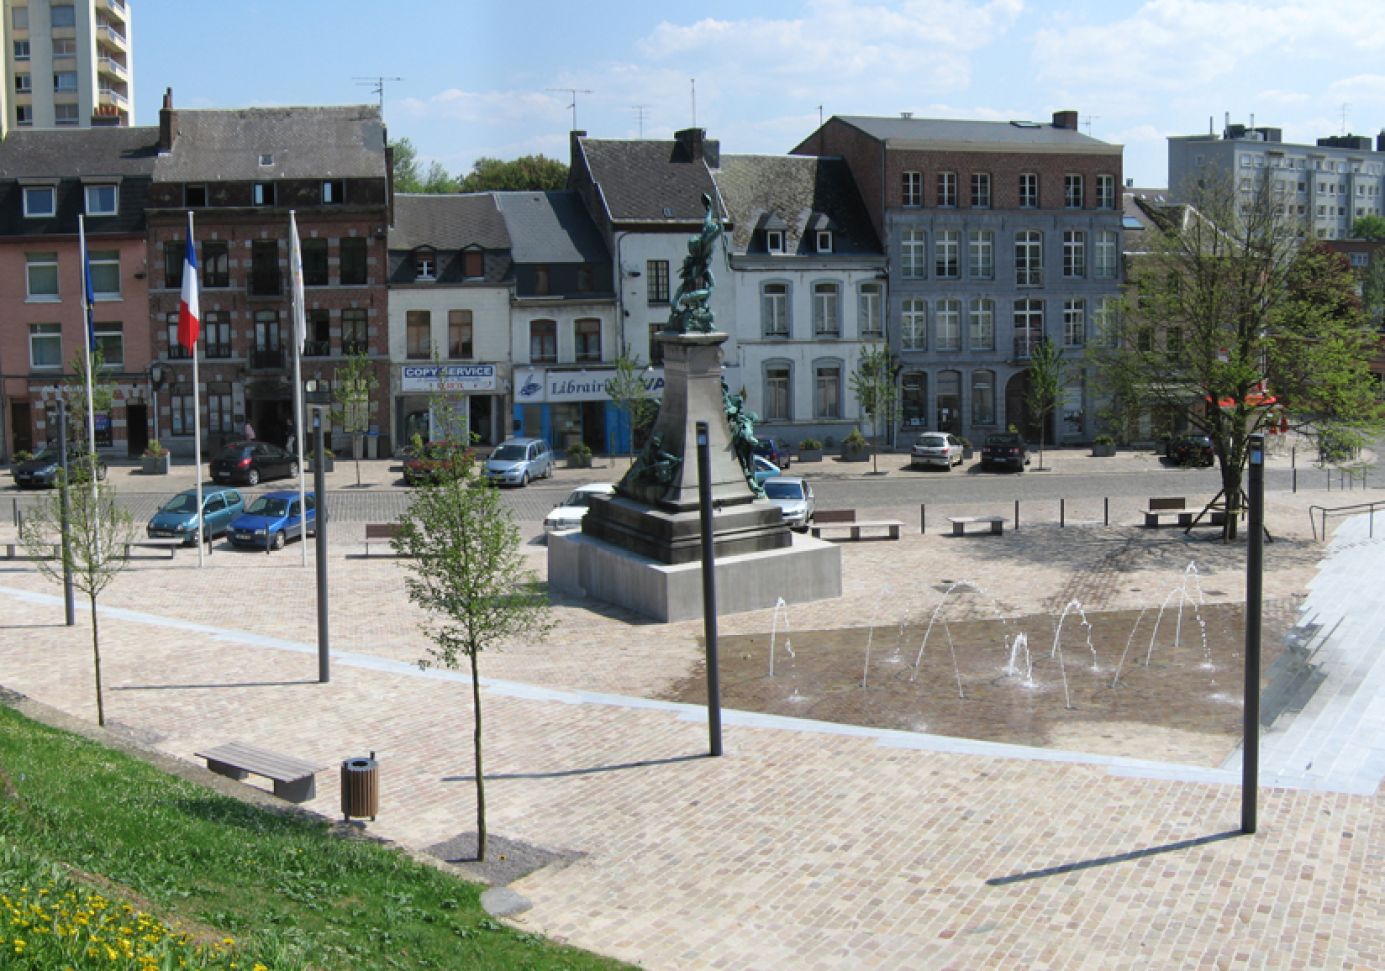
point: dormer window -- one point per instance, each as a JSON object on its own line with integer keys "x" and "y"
{"x": 102, "y": 199}
{"x": 264, "y": 193}
{"x": 425, "y": 265}
{"x": 774, "y": 240}
{"x": 40, "y": 201}
{"x": 824, "y": 237}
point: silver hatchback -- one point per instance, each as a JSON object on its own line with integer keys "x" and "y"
{"x": 936, "y": 448}
{"x": 517, "y": 460}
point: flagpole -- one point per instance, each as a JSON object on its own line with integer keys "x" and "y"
{"x": 196, "y": 409}
{"x": 87, "y": 338}
{"x": 300, "y": 328}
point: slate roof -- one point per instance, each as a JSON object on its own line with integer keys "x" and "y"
{"x": 647, "y": 180}
{"x": 550, "y": 227}
{"x": 343, "y": 142}
{"x": 991, "y": 135}
{"x": 798, "y": 194}
{"x": 78, "y": 152}
{"x": 447, "y": 222}
{"x": 69, "y": 156}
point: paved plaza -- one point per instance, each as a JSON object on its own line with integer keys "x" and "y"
{"x": 808, "y": 845}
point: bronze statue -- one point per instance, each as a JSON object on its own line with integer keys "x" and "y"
{"x": 655, "y": 464}
{"x": 743, "y": 440}
{"x": 689, "y": 312}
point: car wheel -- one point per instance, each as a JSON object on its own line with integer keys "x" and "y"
{"x": 253, "y": 477}
{"x": 100, "y": 473}
{"x": 278, "y": 541}
{"x": 523, "y": 480}
{"x": 293, "y": 470}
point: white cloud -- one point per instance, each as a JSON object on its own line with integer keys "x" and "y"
{"x": 454, "y": 104}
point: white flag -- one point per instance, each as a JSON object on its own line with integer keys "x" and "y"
{"x": 300, "y": 313}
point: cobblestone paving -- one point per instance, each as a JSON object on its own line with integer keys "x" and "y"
{"x": 807, "y": 848}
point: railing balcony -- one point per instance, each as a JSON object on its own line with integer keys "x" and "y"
{"x": 109, "y": 33}
{"x": 317, "y": 348}
{"x": 111, "y": 96}
{"x": 267, "y": 360}
{"x": 110, "y": 65}
{"x": 349, "y": 348}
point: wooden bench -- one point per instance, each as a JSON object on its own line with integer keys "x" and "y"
{"x": 845, "y": 519}
{"x": 170, "y": 543}
{"x": 1177, "y": 506}
{"x": 294, "y": 779}
{"x": 385, "y": 532}
{"x": 996, "y": 524}
{"x": 14, "y": 546}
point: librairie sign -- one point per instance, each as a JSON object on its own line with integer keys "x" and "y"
{"x": 448, "y": 377}
{"x": 560, "y": 386}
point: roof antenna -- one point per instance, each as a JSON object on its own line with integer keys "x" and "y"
{"x": 639, "y": 113}
{"x": 574, "y": 92}
{"x": 377, "y": 84}
{"x": 692, "y": 86}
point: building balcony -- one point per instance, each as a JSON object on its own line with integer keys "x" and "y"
{"x": 267, "y": 360}
{"x": 106, "y": 33}
{"x": 317, "y": 348}
{"x": 109, "y": 65}
{"x": 116, "y": 7}
{"x": 113, "y": 98}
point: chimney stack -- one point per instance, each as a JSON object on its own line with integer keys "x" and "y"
{"x": 168, "y": 122}
{"x": 1065, "y": 119}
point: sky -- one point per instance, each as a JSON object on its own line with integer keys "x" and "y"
{"x": 472, "y": 78}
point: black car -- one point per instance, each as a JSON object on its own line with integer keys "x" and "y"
{"x": 1191, "y": 450}
{"x": 41, "y": 470}
{"x": 774, "y": 449}
{"x": 253, "y": 462}
{"x": 1004, "y": 450}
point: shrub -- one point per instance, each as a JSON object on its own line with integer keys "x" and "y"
{"x": 154, "y": 450}
{"x": 810, "y": 443}
{"x": 1104, "y": 439}
{"x": 854, "y": 440}
{"x": 23, "y": 455}
{"x": 579, "y": 451}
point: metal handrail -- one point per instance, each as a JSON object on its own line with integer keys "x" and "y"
{"x": 1324, "y": 510}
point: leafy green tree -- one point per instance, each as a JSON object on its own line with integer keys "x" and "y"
{"x": 406, "y": 177}
{"x": 351, "y": 393}
{"x": 437, "y": 180}
{"x": 1046, "y": 375}
{"x": 97, "y": 531}
{"x": 875, "y": 384}
{"x": 1368, "y": 227}
{"x": 535, "y": 172}
{"x": 1229, "y": 309}
{"x": 631, "y": 396}
{"x": 466, "y": 570}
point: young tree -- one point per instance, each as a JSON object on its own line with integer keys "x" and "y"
{"x": 1368, "y": 227}
{"x": 875, "y": 384}
{"x": 534, "y": 172}
{"x": 1230, "y": 315}
{"x": 631, "y": 396}
{"x": 1046, "y": 374}
{"x": 438, "y": 181}
{"x": 351, "y": 390}
{"x": 405, "y": 166}
{"x": 97, "y": 531}
{"x": 467, "y": 572}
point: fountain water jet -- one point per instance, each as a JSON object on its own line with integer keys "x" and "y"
{"x": 774, "y": 631}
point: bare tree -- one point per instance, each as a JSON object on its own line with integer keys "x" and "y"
{"x": 355, "y": 380}
{"x": 466, "y": 570}
{"x": 97, "y": 531}
{"x": 1046, "y": 375}
{"x": 875, "y": 384}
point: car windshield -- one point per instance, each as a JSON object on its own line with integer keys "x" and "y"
{"x": 931, "y": 441}
{"x": 581, "y": 499}
{"x": 181, "y": 503}
{"x": 1004, "y": 438}
{"x": 234, "y": 451}
{"x": 265, "y": 506}
{"x": 49, "y": 453}
{"x": 508, "y": 453}
{"x": 777, "y": 489}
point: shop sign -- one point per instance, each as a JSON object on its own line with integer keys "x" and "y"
{"x": 561, "y": 386}
{"x": 448, "y": 377}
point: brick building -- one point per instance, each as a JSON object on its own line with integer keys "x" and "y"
{"x": 240, "y": 172}
{"x": 998, "y": 234}
{"x": 48, "y": 179}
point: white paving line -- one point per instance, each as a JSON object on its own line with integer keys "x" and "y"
{"x": 884, "y": 737}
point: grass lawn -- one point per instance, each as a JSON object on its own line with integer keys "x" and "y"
{"x": 105, "y": 861}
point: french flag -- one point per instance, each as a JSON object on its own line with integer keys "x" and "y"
{"x": 189, "y": 313}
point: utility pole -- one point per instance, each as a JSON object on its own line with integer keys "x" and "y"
{"x": 573, "y": 92}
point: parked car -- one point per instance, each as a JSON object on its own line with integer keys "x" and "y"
{"x": 936, "y": 448}
{"x": 435, "y": 461}
{"x": 272, "y": 520}
{"x": 568, "y": 513}
{"x": 253, "y": 462}
{"x": 1191, "y": 450}
{"x": 1004, "y": 450}
{"x": 177, "y": 518}
{"x": 41, "y": 471}
{"x": 762, "y": 469}
{"x": 517, "y": 460}
{"x": 794, "y": 496}
{"x": 774, "y": 449}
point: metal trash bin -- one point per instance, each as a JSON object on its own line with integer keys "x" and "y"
{"x": 360, "y": 787}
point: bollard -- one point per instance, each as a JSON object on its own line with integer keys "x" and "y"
{"x": 1294, "y": 478}
{"x": 923, "y": 519}
{"x": 1106, "y": 511}
{"x": 1017, "y": 515}
{"x": 1062, "y": 513}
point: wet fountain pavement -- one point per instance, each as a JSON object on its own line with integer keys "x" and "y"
{"x": 810, "y": 844}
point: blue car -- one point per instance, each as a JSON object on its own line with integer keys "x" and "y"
{"x": 177, "y": 518}
{"x": 272, "y": 520}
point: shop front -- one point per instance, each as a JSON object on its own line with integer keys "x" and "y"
{"x": 469, "y": 397}
{"x": 567, "y": 406}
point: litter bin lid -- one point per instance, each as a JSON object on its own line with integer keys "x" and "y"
{"x": 359, "y": 763}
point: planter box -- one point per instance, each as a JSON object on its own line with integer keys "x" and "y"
{"x": 810, "y": 455}
{"x": 156, "y": 464}
{"x": 579, "y": 462}
{"x": 1103, "y": 451}
{"x": 328, "y": 464}
{"x": 855, "y": 454}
